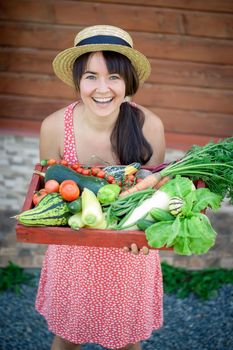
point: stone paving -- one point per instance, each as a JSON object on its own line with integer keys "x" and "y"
{"x": 19, "y": 154}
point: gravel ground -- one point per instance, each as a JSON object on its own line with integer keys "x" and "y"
{"x": 189, "y": 324}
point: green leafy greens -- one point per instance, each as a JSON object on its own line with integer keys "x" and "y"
{"x": 191, "y": 231}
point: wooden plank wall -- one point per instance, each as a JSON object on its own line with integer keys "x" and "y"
{"x": 189, "y": 44}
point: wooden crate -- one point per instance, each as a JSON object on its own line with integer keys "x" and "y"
{"x": 67, "y": 236}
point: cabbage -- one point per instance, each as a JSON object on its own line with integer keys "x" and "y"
{"x": 191, "y": 231}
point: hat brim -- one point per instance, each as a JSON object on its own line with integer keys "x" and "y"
{"x": 63, "y": 62}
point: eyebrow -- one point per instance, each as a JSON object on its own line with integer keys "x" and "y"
{"x": 89, "y": 72}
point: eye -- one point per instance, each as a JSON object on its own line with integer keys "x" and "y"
{"x": 90, "y": 77}
{"x": 114, "y": 77}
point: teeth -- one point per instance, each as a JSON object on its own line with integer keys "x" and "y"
{"x": 102, "y": 99}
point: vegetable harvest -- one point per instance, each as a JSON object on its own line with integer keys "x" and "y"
{"x": 213, "y": 163}
{"x": 165, "y": 205}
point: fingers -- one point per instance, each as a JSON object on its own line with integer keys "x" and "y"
{"x": 134, "y": 249}
{"x": 145, "y": 250}
{"x": 126, "y": 249}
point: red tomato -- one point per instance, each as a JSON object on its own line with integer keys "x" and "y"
{"x": 139, "y": 180}
{"x": 51, "y": 186}
{"x": 63, "y": 162}
{"x": 69, "y": 190}
{"x": 75, "y": 166}
{"x": 38, "y": 195}
{"x": 79, "y": 170}
{"x": 101, "y": 174}
{"x": 86, "y": 171}
{"x": 51, "y": 161}
{"x": 95, "y": 170}
{"x": 111, "y": 179}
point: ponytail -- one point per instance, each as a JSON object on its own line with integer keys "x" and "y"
{"x": 127, "y": 139}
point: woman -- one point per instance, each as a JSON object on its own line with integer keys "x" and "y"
{"x": 88, "y": 294}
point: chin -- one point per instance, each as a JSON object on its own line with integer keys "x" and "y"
{"x": 103, "y": 110}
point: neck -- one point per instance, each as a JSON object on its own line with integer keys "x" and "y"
{"x": 101, "y": 123}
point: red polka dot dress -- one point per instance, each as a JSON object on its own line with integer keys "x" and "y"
{"x": 99, "y": 295}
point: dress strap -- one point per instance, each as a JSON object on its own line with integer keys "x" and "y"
{"x": 69, "y": 137}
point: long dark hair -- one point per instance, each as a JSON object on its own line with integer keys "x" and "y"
{"x": 127, "y": 139}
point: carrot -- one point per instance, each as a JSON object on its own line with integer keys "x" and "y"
{"x": 162, "y": 182}
{"x": 149, "y": 181}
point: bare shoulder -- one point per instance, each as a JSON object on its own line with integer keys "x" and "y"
{"x": 54, "y": 120}
{"x": 52, "y": 135}
{"x": 153, "y": 130}
{"x": 151, "y": 119}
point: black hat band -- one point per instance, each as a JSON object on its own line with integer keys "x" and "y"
{"x": 104, "y": 39}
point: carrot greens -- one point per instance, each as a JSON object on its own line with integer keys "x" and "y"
{"x": 213, "y": 163}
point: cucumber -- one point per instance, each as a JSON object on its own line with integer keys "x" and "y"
{"x": 51, "y": 211}
{"x": 175, "y": 205}
{"x": 60, "y": 173}
{"x": 143, "y": 224}
{"x": 161, "y": 215}
{"x": 75, "y": 206}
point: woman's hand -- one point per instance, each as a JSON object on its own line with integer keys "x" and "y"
{"x": 134, "y": 249}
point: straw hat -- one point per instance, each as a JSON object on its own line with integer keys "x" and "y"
{"x": 100, "y": 38}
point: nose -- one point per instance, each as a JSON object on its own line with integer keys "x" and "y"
{"x": 102, "y": 85}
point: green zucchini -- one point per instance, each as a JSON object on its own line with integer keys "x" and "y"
{"x": 143, "y": 224}
{"x": 175, "y": 205}
{"x": 161, "y": 215}
{"x": 60, "y": 173}
{"x": 52, "y": 210}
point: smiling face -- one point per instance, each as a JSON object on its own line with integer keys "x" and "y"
{"x": 101, "y": 92}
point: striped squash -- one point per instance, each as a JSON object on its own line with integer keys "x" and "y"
{"x": 52, "y": 210}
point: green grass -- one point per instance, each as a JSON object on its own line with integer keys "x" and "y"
{"x": 202, "y": 283}
{"x": 13, "y": 276}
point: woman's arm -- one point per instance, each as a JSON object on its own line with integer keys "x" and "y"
{"x": 52, "y": 136}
